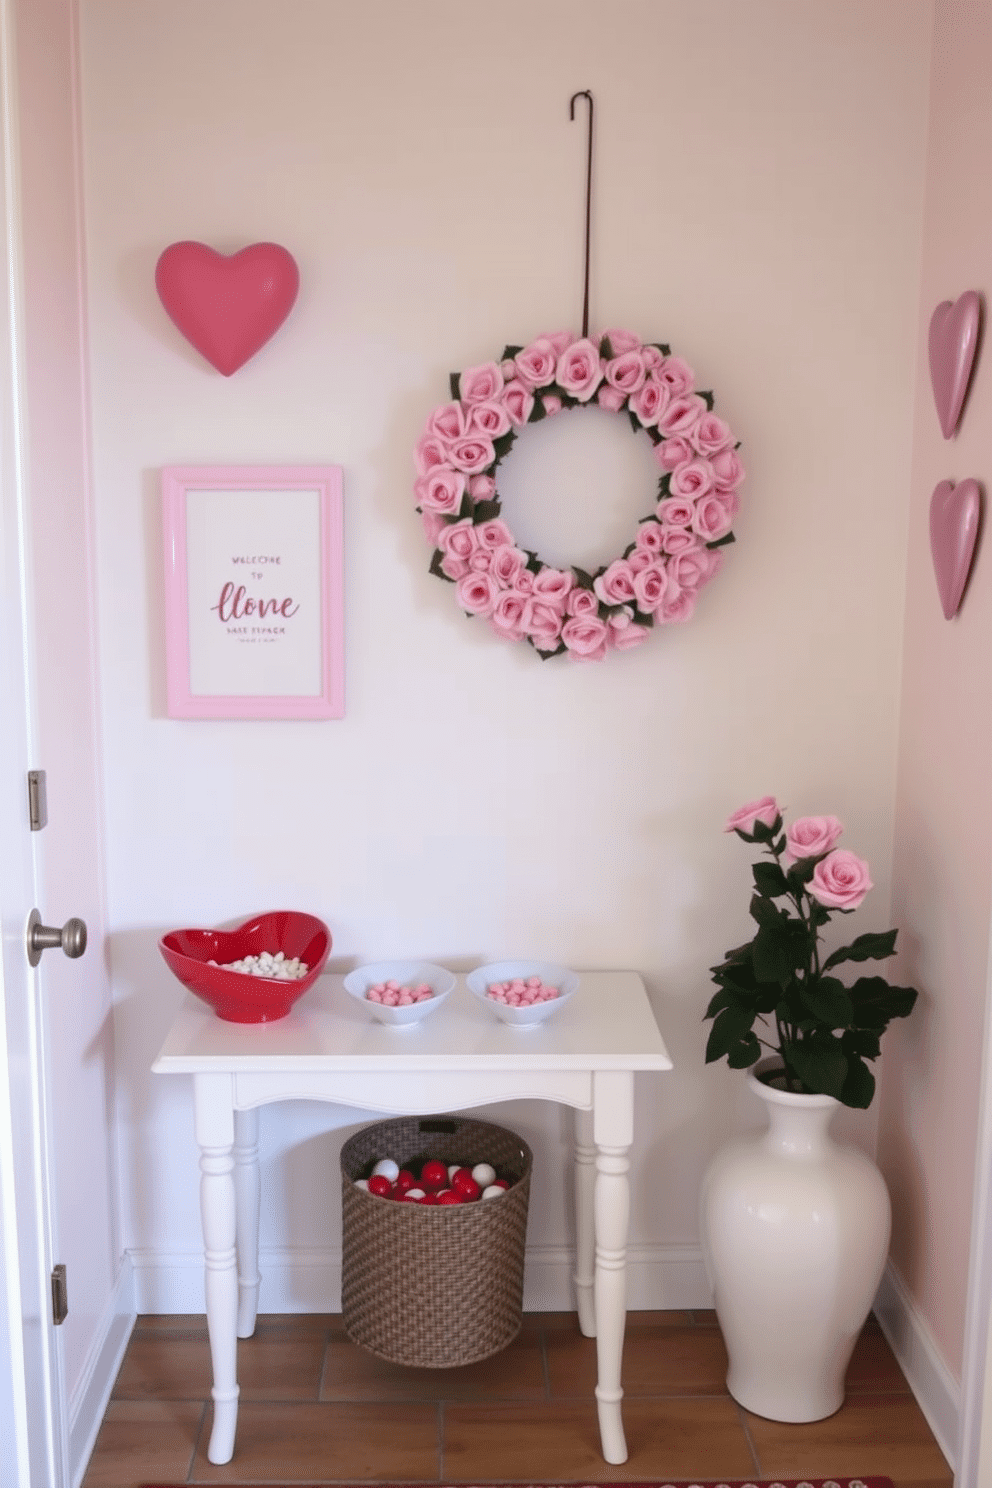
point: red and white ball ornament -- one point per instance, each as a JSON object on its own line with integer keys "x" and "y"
{"x": 438, "y": 1182}
{"x": 675, "y": 551}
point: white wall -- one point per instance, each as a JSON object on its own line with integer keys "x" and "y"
{"x": 759, "y": 176}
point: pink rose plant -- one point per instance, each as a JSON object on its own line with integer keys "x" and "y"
{"x": 779, "y": 991}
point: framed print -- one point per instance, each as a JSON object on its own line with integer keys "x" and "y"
{"x": 253, "y": 591}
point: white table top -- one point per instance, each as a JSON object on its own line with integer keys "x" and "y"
{"x": 607, "y": 1025}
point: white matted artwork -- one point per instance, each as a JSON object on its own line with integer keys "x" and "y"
{"x": 254, "y": 614}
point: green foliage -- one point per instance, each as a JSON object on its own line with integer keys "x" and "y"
{"x": 776, "y": 994}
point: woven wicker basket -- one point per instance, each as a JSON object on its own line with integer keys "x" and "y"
{"x": 433, "y": 1286}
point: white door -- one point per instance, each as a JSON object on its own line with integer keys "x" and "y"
{"x": 56, "y": 1048}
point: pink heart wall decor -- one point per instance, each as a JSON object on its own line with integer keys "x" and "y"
{"x": 954, "y": 327}
{"x": 227, "y": 306}
{"x": 955, "y": 514}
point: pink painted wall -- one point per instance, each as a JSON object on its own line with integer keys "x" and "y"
{"x": 942, "y": 860}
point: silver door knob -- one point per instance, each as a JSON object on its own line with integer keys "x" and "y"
{"x": 71, "y": 938}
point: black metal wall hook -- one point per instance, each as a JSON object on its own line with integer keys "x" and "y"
{"x": 584, "y": 93}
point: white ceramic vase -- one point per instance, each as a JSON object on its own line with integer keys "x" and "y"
{"x": 795, "y": 1230}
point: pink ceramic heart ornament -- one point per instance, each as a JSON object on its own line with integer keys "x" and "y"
{"x": 227, "y": 306}
{"x": 955, "y": 514}
{"x": 954, "y": 327}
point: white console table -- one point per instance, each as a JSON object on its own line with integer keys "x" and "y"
{"x": 330, "y": 1049}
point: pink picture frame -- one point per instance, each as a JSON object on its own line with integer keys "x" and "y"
{"x": 254, "y": 591}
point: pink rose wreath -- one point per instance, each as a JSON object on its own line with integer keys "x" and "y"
{"x": 676, "y": 548}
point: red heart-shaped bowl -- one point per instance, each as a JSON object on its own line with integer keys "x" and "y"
{"x": 233, "y": 995}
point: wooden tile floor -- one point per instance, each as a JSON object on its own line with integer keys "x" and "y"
{"x": 315, "y": 1408}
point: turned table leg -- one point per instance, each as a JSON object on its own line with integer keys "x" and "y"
{"x": 215, "y": 1136}
{"x": 613, "y": 1121}
{"x": 247, "y": 1198}
{"x": 585, "y": 1232}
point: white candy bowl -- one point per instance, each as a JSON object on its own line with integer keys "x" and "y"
{"x": 551, "y": 975}
{"x": 407, "y": 973}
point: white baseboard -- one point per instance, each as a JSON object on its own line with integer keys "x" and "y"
{"x": 937, "y": 1391}
{"x": 92, "y": 1393}
{"x": 658, "y": 1276}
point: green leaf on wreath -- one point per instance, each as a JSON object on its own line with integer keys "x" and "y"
{"x": 707, "y": 398}
{"x": 583, "y": 580}
{"x": 436, "y": 568}
{"x": 485, "y": 511}
{"x": 722, "y": 542}
{"x": 660, "y": 346}
{"x": 635, "y": 422}
{"x": 537, "y": 413}
{"x": 606, "y": 349}
{"x": 466, "y": 509}
{"x": 645, "y": 619}
{"x": 454, "y": 379}
{"x": 504, "y": 444}
{"x": 665, "y": 486}
{"x": 878, "y": 947}
{"x": 509, "y": 352}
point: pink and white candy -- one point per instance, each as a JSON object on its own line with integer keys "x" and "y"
{"x": 522, "y": 992}
{"x": 393, "y": 994}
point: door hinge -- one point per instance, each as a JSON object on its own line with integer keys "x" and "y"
{"x": 37, "y": 800}
{"x": 60, "y": 1295}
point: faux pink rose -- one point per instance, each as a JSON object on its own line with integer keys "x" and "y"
{"x": 490, "y": 419}
{"x": 509, "y": 613}
{"x": 560, "y": 340}
{"x": 441, "y": 491}
{"x": 543, "y": 624}
{"x": 552, "y": 585}
{"x": 641, "y": 558}
{"x": 495, "y": 534}
{"x": 616, "y": 585}
{"x": 482, "y": 488}
{"x": 459, "y": 538}
{"x": 581, "y": 602}
{"x": 507, "y": 564}
{"x": 481, "y": 561}
{"x": 535, "y": 365}
{"x": 649, "y": 536}
{"x": 447, "y": 422}
{"x": 693, "y": 568}
{"x": 727, "y": 469}
{"x": 453, "y": 566}
{"x": 579, "y": 370}
{"x": 473, "y": 453}
{"x": 671, "y": 453}
{"x": 625, "y": 633}
{"x": 678, "y": 540}
{"x": 675, "y": 511}
{"x": 677, "y": 606}
{"x": 692, "y": 480}
{"x": 430, "y": 452}
{"x": 840, "y": 881}
{"x": 764, "y": 811}
{"x": 610, "y": 398}
{"x": 650, "y": 586}
{"x": 810, "y": 836}
{"x": 434, "y": 525}
{"x": 552, "y": 403}
{"x": 652, "y": 357}
{"x": 480, "y": 384}
{"x": 518, "y": 402}
{"x": 649, "y": 401}
{"x": 524, "y": 582}
{"x": 508, "y": 367}
{"x": 626, "y": 372}
{"x": 677, "y": 376}
{"x": 711, "y": 435}
{"x": 712, "y": 518}
{"x": 622, "y": 342}
{"x": 478, "y": 593}
{"x": 681, "y": 415}
{"x": 586, "y": 637}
